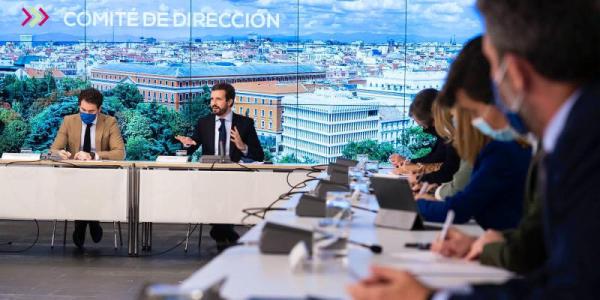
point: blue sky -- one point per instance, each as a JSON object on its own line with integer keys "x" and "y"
{"x": 350, "y": 19}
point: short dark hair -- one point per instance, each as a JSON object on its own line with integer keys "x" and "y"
{"x": 420, "y": 107}
{"x": 470, "y": 72}
{"x": 559, "y": 38}
{"x": 91, "y": 95}
{"x": 228, "y": 88}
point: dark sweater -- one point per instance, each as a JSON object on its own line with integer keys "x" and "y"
{"x": 494, "y": 195}
{"x": 441, "y": 152}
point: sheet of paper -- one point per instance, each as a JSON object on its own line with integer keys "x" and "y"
{"x": 427, "y": 263}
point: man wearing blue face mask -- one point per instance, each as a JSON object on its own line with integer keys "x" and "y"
{"x": 89, "y": 135}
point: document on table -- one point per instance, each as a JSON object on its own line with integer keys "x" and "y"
{"x": 427, "y": 263}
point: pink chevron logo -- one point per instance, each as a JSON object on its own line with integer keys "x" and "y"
{"x": 34, "y": 16}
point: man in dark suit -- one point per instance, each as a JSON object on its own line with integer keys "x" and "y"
{"x": 555, "y": 93}
{"x": 213, "y": 132}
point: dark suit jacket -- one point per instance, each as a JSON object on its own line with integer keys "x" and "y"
{"x": 204, "y": 134}
{"x": 523, "y": 250}
{"x": 571, "y": 214}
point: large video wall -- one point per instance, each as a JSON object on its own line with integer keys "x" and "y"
{"x": 320, "y": 78}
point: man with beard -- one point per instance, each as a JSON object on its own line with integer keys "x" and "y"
{"x": 213, "y": 132}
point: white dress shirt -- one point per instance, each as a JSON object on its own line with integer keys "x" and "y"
{"x": 557, "y": 123}
{"x": 228, "y": 121}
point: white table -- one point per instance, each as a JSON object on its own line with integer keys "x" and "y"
{"x": 66, "y": 191}
{"x": 200, "y": 193}
{"x": 250, "y": 273}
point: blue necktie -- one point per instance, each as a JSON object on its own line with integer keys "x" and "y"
{"x": 222, "y": 137}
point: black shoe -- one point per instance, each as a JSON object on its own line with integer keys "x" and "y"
{"x": 79, "y": 234}
{"x": 222, "y": 245}
{"x": 233, "y": 236}
{"x": 96, "y": 231}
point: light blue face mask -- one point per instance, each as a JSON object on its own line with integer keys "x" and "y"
{"x": 506, "y": 134}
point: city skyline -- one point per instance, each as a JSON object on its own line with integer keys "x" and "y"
{"x": 373, "y": 21}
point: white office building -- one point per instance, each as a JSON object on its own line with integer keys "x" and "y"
{"x": 319, "y": 125}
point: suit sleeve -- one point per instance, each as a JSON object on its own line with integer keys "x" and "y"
{"x": 255, "y": 150}
{"x": 116, "y": 145}
{"x": 197, "y": 137}
{"x": 474, "y": 198}
{"x": 61, "y": 139}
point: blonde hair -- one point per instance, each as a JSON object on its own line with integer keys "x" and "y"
{"x": 442, "y": 120}
{"x": 467, "y": 140}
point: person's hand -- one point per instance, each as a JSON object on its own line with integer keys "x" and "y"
{"x": 397, "y": 159}
{"x": 456, "y": 244}
{"x": 490, "y": 236}
{"x": 414, "y": 178}
{"x": 237, "y": 140}
{"x": 64, "y": 154}
{"x": 186, "y": 141}
{"x": 81, "y": 155}
{"x": 386, "y": 283}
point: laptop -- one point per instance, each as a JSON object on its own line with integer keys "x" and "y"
{"x": 397, "y": 206}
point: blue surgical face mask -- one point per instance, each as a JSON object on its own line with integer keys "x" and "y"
{"x": 511, "y": 113}
{"x": 506, "y": 134}
{"x": 87, "y": 118}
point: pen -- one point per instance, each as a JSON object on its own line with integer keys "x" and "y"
{"x": 424, "y": 187}
{"x": 447, "y": 223}
{"x": 420, "y": 246}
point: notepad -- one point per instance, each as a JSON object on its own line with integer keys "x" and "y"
{"x": 427, "y": 263}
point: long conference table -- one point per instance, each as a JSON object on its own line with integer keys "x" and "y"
{"x": 140, "y": 192}
{"x": 247, "y": 273}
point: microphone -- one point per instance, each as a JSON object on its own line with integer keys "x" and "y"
{"x": 375, "y": 248}
{"x": 280, "y": 239}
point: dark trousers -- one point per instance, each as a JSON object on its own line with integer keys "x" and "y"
{"x": 220, "y": 232}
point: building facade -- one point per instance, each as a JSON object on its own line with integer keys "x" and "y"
{"x": 262, "y": 101}
{"x": 319, "y": 125}
{"x": 175, "y": 84}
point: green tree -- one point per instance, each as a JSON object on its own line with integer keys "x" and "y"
{"x": 152, "y": 124}
{"x": 198, "y": 107}
{"x": 268, "y": 155}
{"x": 293, "y": 159}
{"x": 128, "y": 93}
{"x": 138, "y": 148}
{"x": 44, "y": 125}
{"x": 414, "y": 142}
{"x": 71, "y": 84}
{"x": 376, "y": 151}
{"x": 14, "y": 133}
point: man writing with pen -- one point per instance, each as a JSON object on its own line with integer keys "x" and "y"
{"x": 89, "y": 135}
{"x": 213, "y": 133}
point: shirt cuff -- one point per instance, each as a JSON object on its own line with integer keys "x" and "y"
{"x": 445, "y": 294}
{"x": 245, "y": 152}
{"x": 96, "y": 156}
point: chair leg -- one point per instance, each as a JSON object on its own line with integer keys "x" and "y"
{"x": 115, "y": 234}
{"x": 143, "y": 236}
{"x": 149, "y": 237}
{"x": 65, "y": 235}
{"x": 200, "y": 237}
{"x": 187, "y": 238}
{"x": 120, "y": 234}
{"x": 53, "y": 233}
